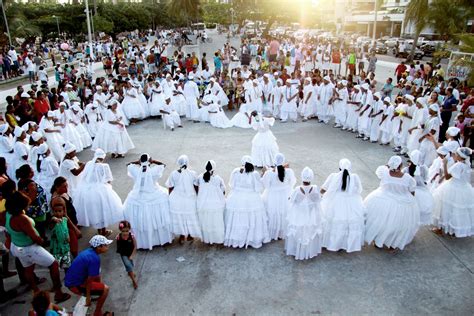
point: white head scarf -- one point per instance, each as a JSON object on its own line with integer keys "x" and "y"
{"x": 3, "y": 128}
{"x": 182, "y": 161}
{"x": 279, "y": 159}
{"x": 394, "y": 162}
{"x": 307, "y": 175}
{"x": 345, "y": 164}
{"x": 464, "y": 152}
{"x": 442, "y": 150}
{"x": 245, "y": 159}
{"x": 36, "y": 136}
{"x": 69, "y": 148}
{"x": 18, "y": 131}
{"x": 453, "y": 131}
{"x": 42, "y": 149}
{"x": 99, "y": 154}
{"x": 415, "y": 157}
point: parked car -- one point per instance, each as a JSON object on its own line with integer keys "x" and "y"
{"x": 391, "y": 42}
{"x": 381, "y": 48}
{"x": 418, "y": 54}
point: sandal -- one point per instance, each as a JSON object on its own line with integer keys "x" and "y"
{"x": 64, "y": 297}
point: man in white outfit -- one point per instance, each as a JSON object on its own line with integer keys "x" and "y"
{"x": 325, "y": 97}
{"x": 288, "y": 108}
{"x": 191, "y": 93}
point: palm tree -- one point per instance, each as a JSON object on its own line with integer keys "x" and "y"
{"x": 448, "y": 18}
{"x": 417, "y": 13}
{"x": 185, "y": 10}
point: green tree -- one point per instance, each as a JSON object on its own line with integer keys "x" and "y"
{"x": 467, "y": 46}
{"x": 448, "y": 18}
{"x": 187, "y": 11}
{"x": 417, "y": 13}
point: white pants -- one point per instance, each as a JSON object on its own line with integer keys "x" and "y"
{"x": 284, "y": 115}
{"x": 33, "y": 254}
{"x": 172, "y": 119}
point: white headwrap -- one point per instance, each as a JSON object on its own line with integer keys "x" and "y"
{"x": 451, "y": 146}
{"x": 357, "y": 87}
{"x": 69, "y": 148}
{"x": 279, "y": 159}
{"x": 365, "y": 86}
{"x": 18, "y": 131}
{"x": 394, "y": 162}
{"x": 99, "y": 154}
{"x": 387, "y": 99}
{"x": 345, "y": 164}
{"x": 409, "y": 97}
{"x": 245, "y": 159}
{"x": 3, "y": 128}
{"x": 434, "y": 107}
{"x": 307, "y": 175}
{"x": 327, "y": 78}
{"x": 415, "y": 157}
{"x": 98, "y": 87}
{"x": 50, "y": 114}
{"x": 464, "y": 152}
{"x": 25, "y": 95}
{"x": 422, "y": 101}
{"x": 452, "y": 131}
{"x": 36, "y": 136}
{"x": 76, "y": 107}
{"x": 378, "y": 95}
{"x": 255, "y": 81}
{"x": 182, "y": 161}
{"x": 42, "y": 149}
{"x": 442, "y": 151}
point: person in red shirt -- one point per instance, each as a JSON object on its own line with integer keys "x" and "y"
{"x": 400, "y": 70}
{"x": 41, "y": 106}
{"x": 284, "y": 76}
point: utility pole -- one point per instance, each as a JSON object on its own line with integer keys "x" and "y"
{"x": 89, "y": 29}
{"x": 375, "y": 22}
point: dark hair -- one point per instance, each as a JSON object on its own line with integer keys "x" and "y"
{"x": 17, "y": 203}
{"x": 7, "y": 188}
{"x": 143, "y": 158}
{"x": 412, "y": 169}
{"x": 57, "y": 182}
{"x": 207, "y": 174}
{"x": 124, "y": 224}
{"x": 40, "y": 303}
{"x": 24, "y": 183}
{"x": 281, "y": 173}
{"x": 3, "y": 166}
{"x": 183, "y": 167}
{"x": 23, "y": 172}
{"x": 345, "y": 178}
{"x": 248, "y": 167}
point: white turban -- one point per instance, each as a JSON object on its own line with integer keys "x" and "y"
{"x": 307, "y": 175}
{"x": 464, "y": 152}
{"x": 245, "y": 159}
{"x": 394, "y": 162}
{"x": 62, "y": 104}
{"x": 50, "y": 114}
{"x": 365, "y": 86}
{"x": 357, "y": 87}
{"x": 3, "y": 128}
{"x": 451, "y": 146}
{"x": 98, "y": 87}
{"x": 387, "y": 99}
{"x": 453, "y": 131}
{"x": 280, "y": 81}
{"x": 25, "y": 95}
{"x": 246, "y": 75}
{"x": 442, "y": 150}
{"x": 409, "y": 97}
{"x": 99, "y": 154}
{"x": 255, "y": 81}
{"x": 345, "y": 164}
{"x": 36, "y": 136}
{"x": 212, "y": 79}
{"x": 415, "y": 157}
{"x": 279, "y": 159}
{"x": 76, "y": 107}
{"x": 422, "y": 101}
{"x": 42, "y": 149}
{"x": 69, "y": 148}
{"x": 344, "y": 83}
{"x": 327, "y": 78}
{"x": 18, "y": 131}
{"x": 434, "y": 107}
{"x": 190, "y": 77}
{"x": 182, "y": 161}
{"x": 111, "y": 87}
{"x": 68, "y": 86}
{"x": 378, "y": 95}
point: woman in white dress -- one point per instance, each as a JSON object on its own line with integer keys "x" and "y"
{"x": 93, "y": 119}
{"x": 157, "y": 99}
{"x": 343, "y": 210}
{"x": 77, "y": 119}
{"x": 430, "y": 133}
{"x": 436, "y": 171}
{"x": 245, "y": 217}
{"x": 182, "y": 186}
{"x": 142, "y": 99}
{"x": 340, "y": 104}
{"x": 454, "y": 204}
{"x": 47, "y": 169}
{"x": 112, "y": 137}
{"x": 6, "y": 149}
{"x": 305, "y": 226}
{"x": 264, "y": 145}
{"x": 20, "y": 148}
{"x": 52, "y": 133}
{"x": 217, "y": 116}
{"x": 423, "y": 196}
{"x": 386, "y": 122}
{"x": 277, "y": 98}
{"x": 170, "y": 115}
{"x": 131, "y": 105}
{"x": 211, "y": 205}
{"x": 147, "y": 205}
{"x": 71, "y": 168}
{"x": 420, "y": 116}
{"x": 278, "y": 184}
{"x": 242, "y": 118}
{"x": 288, "y": 107}
{"x": 68, "y": 129}
{"x": 308, "y": 103}
{"x": 393, "y": 215}
{"x": 95, "y": 201}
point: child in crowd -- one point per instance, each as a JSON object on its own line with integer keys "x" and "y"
{"x": 60, "y": 248}
{"x": 127, "y": 248}
{"x": 42, "y": 306}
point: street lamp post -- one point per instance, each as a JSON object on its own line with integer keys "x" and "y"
{"x": 6, "y": 24}
{"x": 91, "y": 51}
{"x": 57, "y": 23}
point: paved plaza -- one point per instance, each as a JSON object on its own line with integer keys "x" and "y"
{"x": 432, "y": 275}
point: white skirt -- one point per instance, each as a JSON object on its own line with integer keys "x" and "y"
{"x": 71, "y": 135}
{"x": 132, "y": 108}
{"x": 392, "y": 220}
{"x": 184, "y": 219}
{"x": 219, "y": 120}
{"x": 264, "y": 149}
{"x": 149, "y": 216}
{"x": 240, "y": 120}
{"x": 97, "y": 205}
{"x": 113, "y": 140}
{"x": 454, "y": 208}
{"x": 425, "y": 201}
{"x": 277, "y": 205}
{"x": 85, "y": 136}
{"x": 245, "y": 220}
{"x": 344, "y": 221}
